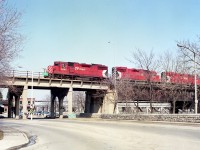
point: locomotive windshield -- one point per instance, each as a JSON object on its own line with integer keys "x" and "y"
{"x": 71, "y": 64}
{"x": 56, "y": 64}
{"x": 122, "y": 70}
{"x": 63, "y": 66}
{"x": 102, "y": 68}
{"x": 135, "y": 70}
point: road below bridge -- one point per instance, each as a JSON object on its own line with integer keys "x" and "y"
{"x": 90, "y": 134}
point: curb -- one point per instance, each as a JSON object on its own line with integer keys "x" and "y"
{"x": 21, "y": 145}
{"x": 13, "y": 138}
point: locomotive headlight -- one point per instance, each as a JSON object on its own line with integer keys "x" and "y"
{"x": 105, "y": 73}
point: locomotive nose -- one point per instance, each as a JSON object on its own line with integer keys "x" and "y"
{"x": 50, "y": 69}
{"x": 105, "y": 73}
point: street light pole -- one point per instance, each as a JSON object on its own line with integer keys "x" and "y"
{"x": 31, "y": 104}
{"x": 31, "y": 95}
{"x": 195, "y": 78}
{"x": 114, "y": 77}
{"x": 195, "y": 84}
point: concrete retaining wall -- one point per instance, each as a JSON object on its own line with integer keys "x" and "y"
{"x": 150, "y": 117}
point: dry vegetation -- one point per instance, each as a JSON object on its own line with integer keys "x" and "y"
{"x": 182, "y": 63}
{"x": 1, "y": 135}
{"x": 10, "y": 38}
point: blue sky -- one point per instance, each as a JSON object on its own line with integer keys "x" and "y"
{"x": 79, "y": 30}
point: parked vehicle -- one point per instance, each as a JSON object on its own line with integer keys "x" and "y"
{"x": 49, "y": 115}
{"x": 46, "y": 113}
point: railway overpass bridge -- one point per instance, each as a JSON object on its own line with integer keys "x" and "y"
{"x": 24, "y": 80}
{"x": 99, "y": 99}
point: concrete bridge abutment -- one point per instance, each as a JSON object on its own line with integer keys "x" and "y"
{"x": 99, "y": 102}
{"x": 109, "y": 102}
{"x": 70, "y": 99}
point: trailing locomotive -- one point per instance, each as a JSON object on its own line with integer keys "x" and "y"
{"x": 178, "y": 78}
{"x": 144, "y": 75}
{"x": 135, "y": 74}
{"x": 74, "y": 70}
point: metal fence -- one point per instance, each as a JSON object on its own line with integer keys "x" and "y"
{"x": 25, "y": 74}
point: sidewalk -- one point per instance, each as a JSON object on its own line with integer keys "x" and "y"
{"x": 12, "y": 137}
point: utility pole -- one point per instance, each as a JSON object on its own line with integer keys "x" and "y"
{"x": 114, "y": 76}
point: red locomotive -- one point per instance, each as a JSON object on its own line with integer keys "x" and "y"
{"x": 136, "y": 74}
{"x": 74, "y": 70}
{"x": 144, "y": 75}
{"x": 178, "y": 78}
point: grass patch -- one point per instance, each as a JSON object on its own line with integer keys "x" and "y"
{"x": 1, "y": 135}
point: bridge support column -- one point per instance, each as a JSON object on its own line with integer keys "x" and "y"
{"x": 96, "y": 105}
{"x": 17, "y": 97}
{"x": 61, "y": 108}
{"x": 70, "y": 98}
{"x": 88, "y": 102}
{"x": 53, "y": 97}
{"x": 93, "y": 102}
{"x": 13, "y": 102}
{"x": 60, "y": 93}
{"x": 10, "y": 104}
{"x": 24, "y": 102}
{"x": 61, "y": 96}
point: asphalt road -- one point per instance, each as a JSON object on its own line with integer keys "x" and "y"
{"x": 85, "y": 134}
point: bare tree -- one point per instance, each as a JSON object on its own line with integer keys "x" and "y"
{"x": 149, "y": 63}
{"x": 144, "y": 61}
{"x": 10, "y": 38}
{"x": 189, "y": 50}
{"x": 79, "y": 101}
{"x": 125, "y": 92}
{"x": 46, "y": 103}
{"x": 178, "y": 70}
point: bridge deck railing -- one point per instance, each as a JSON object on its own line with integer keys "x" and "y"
{"x": 26, "y": 74}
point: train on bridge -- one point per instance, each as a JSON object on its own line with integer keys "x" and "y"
{"x": 145, "y": 75}
{"x": 74, "y": 70}
{"x": 93, "y": 72}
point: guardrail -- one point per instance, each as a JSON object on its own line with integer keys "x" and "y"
{"x": 26, "y": 74}
{"x": 37, "y": 76}
{"x": 30, "y": 78}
